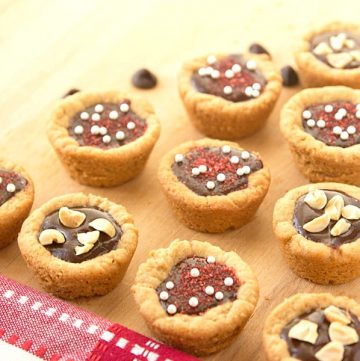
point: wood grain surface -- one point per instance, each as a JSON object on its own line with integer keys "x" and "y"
{"x": 48, "y": 47}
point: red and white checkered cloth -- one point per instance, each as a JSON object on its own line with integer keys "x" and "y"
{"x": 36, "y": 326}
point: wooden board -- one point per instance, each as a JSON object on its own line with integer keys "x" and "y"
{"x": 48, "y": 47}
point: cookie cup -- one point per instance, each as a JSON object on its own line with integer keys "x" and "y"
{"x": 313, "y": 72}
{"x": 14, "y": 211}
{"x": 212, "y": 214}
{"x": 219, "y": 118}
{"x": 96, "y": 276}
{"x": 316, "y": 160}
{"x": 314, "y": 260}
{"x": 297, "y": 305}
{"x": 94, "y": 166}
{"x": 200, "y": 334}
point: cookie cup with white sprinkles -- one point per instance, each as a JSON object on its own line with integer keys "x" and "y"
{"x": 103, "y": 139}
{"x": 212, "y": 185}
{"x": 229, "y": 96}
{"x": 16, "y": 200}
{"x": 195, "y": 296}
{"x": 322, "y": 128}
{"x": 78, "y": 245}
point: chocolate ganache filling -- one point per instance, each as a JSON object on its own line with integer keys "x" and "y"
{"x": 10, "y": 183}
{"x": 66, "y": 250}
{"x": 304, "y": 213}
{"x": 306, "y": 351}
{"x": 211, "y": 171}
{"x": 233, "y": 78}
{"x": 197, "y": 284}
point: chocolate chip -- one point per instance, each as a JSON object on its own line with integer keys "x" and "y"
{"x": 71, "y": 92}
{"x": 144, "y": 79}
{"x": 256, "y": 48}
{"x": 289, "y": 75}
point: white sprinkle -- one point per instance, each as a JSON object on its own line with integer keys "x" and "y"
{"x": 246, "y": 169}
{"x": 210, "y": 259}
{"x": 11, "y": 188}
{"x": 79, "y": 129}
{"x": 84, "y": 116}
{"x": 306, "y": 114}
{"x": 227, "y": 89}
{"x": 209, "y": 290}
{"x": 321, "y": 123}
{"x": 342, "y": 111}
{"x": 113, "y": 115}
{"x": 171, "y": 309}
{"x": 328, "y": 108}
{"x": 338, "y": 116}
{"x": 195, "y": 171}
{"x": 164, "y": 296}
{"x": 179, "y": 158}
{"x": 131, "y": 125}
{"x": 120, "y": 135}
{"x": 229, "y": 74}
{"x": 226, "y": 149}
{"x": 193, "y": 302}
{"x": 249, "y": 91}
{"x": 95, "y": 117}
{"x": 215, "y": 74}
{"x": 228, "y": 281}
{"x": 211, "y": 59}
{"x": 357, "y": 115}
{"x": 95, "y": 130}
{"x": 311, "y": 123}
{"x": 337, "y": 130}
{"x": 236, "y": 68}
{"x": 202, "y": 72}
{"x": 221, "y": 177}
{"x": 194, "y": 272}
{"x": 209, "y": 70}
{"x": 240, "y": 172}
{"x": 219, "y": 295}
{"x": 234, "y": 159}
{"x": 99, "y": 108}
{"x": 202, "y": 168}
{"x": 255, "y": 93}
{"x": 169, "y": 285}
{"x": 251, "y": 64}
{"x": 124, "y": 107}
{"x": 1, "y": 180}
{"x": 245, "y": 155}
{"x": 256, "y": 86}
{"x": 210, "y": 185}
{"x": 344, "y": 135}
{"x": 103, "y": 130}
{"x": 106, "y": 139}
{"x": 351, "y": 129}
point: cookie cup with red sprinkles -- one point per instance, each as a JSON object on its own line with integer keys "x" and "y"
{"x": 322, "y": 128}
{"x": 104, "y": 139}
{"x": 16, "y": 200}
{"x": 195, "y": 296}
{"x": 229, "y": 96}
{"x": 212, "y": 185}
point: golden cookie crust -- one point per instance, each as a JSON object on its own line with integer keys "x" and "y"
{"x": 313, "y": 72}
{"x": 212, "y": 214}
{"x": 94, "y": 166}
{"x": 280, "y": 316}
{"x": 201, "y": 334}
{"x": 96, "y": 276}
{"x": 314, "y": 260}
{"x": 316, "y": 160}
{"x": 14, "y": 211}
{"x": 222, "y": 119}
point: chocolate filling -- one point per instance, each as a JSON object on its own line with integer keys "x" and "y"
{"x": 239, "y": 82}
{"x": 326, "y": 134}
{"x": 305, "y": 351}
{"x": 186, "y": 286}
{"x": 66, "y": 251}
{"x": 216, "y": 162}
{"x": 9, "y": 177}
{"x": 103, "y": 133}
{"x": 303, "y": 213}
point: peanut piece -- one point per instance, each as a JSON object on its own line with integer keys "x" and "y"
{"x": 340, "y": 227}
{"x": 344, "y": 334}
{"x": 332, "y": 351}
{"x": 334, "y": 314}
{"x": 83, "y": 249}
{"x": 339, "y": 60}
{"x": 103, "y": 225}
{"x": 48, "y": 236}
{"x": 70, "y": 218}
{"x": 304, "y": 330}
{"x": 88, "y": 237}
{"x": 322, "y": 49}
{"x": 317, "y": 224}
{"x": 334, "y": 207}
{"x": 351, "y": 212}
{"x": 316, "y": 199}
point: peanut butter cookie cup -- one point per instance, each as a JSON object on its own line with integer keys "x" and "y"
{"x": 318, "y": 228}
{"x": 195, "y": 296}
{"x": 330, "y": 55}
{"x": 78, "y": 245}
{"x": 213, "y": 185}
{"x": 16, "y": 200}
{"x": 313, "y": 327}
{"x": 322, "y": 127}
{"x": 103, "y": 139}
{"x": 229, "y": 96}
